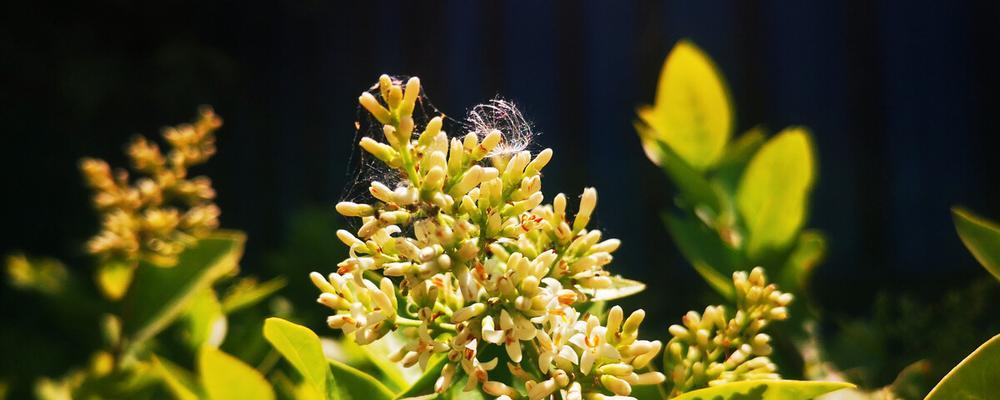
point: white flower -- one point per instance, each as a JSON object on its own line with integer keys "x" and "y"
{"x": 512, "y": 331}
{"x": 591, "y": 339}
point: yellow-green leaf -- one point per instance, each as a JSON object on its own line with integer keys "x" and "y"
{"x": 203, "y": 320}
{"x": 301, "y": 347}
{"x": 248, "y": 292}
{"x": 981, "y": 237}
{"x": 773, "y": 194}
{"x": 620, "y": 287}
{"x": 692, "y": 112}
{"x": 114, "y": 277}
{"x": 976, "y": 377}
{"x": 181, "y": 383}
{"x": 225, "y": 377}
{"x": 160, "y": 295}
{"x": 348, "y": 383}
{"x": 765, "y": 390}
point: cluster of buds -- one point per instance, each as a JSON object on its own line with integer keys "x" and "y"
{"x": 461, "y": 255}
{"x": 157, "y": 215}
{"x": 711, "y": 349}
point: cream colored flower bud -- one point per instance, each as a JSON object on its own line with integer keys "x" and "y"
{"x": 613, "y": 324}
{"x": 349, "y": 209}
{"x": 444, "y": 381}
{"x": 395, "y": 97}
{"x": 333, "y": 301}
{"x": 495, "y": 388}
{"x": 464, "y": 314}
{"x": 679, "y": 332}
{"x": 349, "y": 239}
{"x": 617, "y": 369}
{"x": 434, "y": 180}
{"x": 381, "y": 192}
{"x": 430, "y": 132}
{"x": 321, "y": 282}
{"x": 616, "y": 385}
{"x": 538, "y": 391}
{"x": 410, "y": 96}
{"x": 540, "y": 161}
{"x": 607, "y": 246}
{"x": 371, "y": 104}
{"x": 487, "y": 145}
{"x": 394, "y": 217}
{"x": 587, "y": 203}
{"x": 649, "y": 378}
{"x": 778, "y": 313}
{"x": 469, "y": 180}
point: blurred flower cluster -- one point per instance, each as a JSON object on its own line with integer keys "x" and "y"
{"x": 461, "y": 255}
{"x": 156, "y": 216}
{"x": 710, "y": 348}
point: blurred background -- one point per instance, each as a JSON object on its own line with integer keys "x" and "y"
{"x": 901, "y": 97}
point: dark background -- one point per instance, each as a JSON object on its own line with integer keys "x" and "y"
{"x": 901, "y": 97}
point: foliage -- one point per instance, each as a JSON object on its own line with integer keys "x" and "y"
{"x": 161, "y": 265}
{"x": 743, "y": 202}
{"x": 978, "y": 375}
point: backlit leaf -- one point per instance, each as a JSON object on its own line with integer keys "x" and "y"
{"x": 976, "y": 377}
{"x": 773, "y": 194}
{"x": 159, "y": 295}
{"x": 981, "y": 237}
{"x": 620, "y": 287}
{"x": 225, "y": 377}
{"x": 348, "y": 383}
{"x": 692, "y": 111}
{"x": 765, "y": 390}
{"x": 301, "y": 347}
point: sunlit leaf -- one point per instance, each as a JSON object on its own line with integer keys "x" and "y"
{"x": 203, "y": 320}
{"x": 765, "y": 390}
{"x": 114, "y": 277}
{"x": 301, "y": 347}
{"x": 620, "y": 287}
{"x": 225, "y": 377}
{"x": 248, "y": 292}
{"x": 159, "y": 295}
{"x": 692, "y": 111}
{"x": 181, "y": 383}
{"x": 981, "y": 237}
{"x": 976, "y": 377}
{"x": 773, "y": 194}
{"x": 348, "y": 383}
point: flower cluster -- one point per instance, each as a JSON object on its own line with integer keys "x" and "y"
{"x": 159, "y": 214}
{"x": 711, "y": 349}
{"x": 461, "y": 254}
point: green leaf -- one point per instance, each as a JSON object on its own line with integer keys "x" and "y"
{"x": 692, "y": 112}
{"x": 159, "y": 295}
{"x": 425, "y": 385}
{"x": 114, "y": 277}
{"x": 248, "y": 292}
{"x": 204, "y": 322}
{"x": 976, "y": 377}
{"x": 703, "y": 248}
{"x": 225, "y": 377}
{"x": 981, "y": 237}
{"x": 302, "y": 348}
{"x": 620, "y": 287}
{"x": 738, "y": 154}
{"x": 348, "y": 383}
{"x": 765, "y": 390}
{"x": 808, "y": 252}
{"x": 773, "y": 193}
{"x": 181, "y": 383}
{"x": 691, "y": 184}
